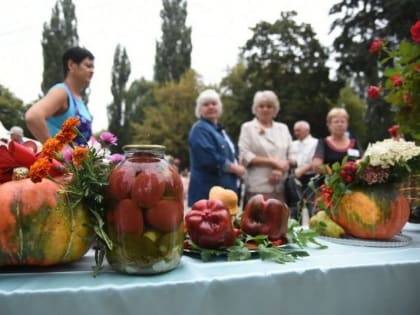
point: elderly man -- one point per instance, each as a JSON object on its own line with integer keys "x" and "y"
{"x": 16, "y": 134}
{"x": 304, "y": 149}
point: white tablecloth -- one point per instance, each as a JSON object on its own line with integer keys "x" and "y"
{"x": 339, "y": 280}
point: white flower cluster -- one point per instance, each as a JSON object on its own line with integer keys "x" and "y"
{"x": 390, "y": 152}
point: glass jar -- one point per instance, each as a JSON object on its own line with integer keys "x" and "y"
{"x": 145, "y": 212}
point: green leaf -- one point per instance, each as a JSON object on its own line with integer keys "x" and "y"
{"x": 238, "y": 253}
{"x": 280, "y": 255}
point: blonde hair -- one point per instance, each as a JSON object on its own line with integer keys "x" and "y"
{"x": 337, "y": 111}
{"x": 266, "y": 96}
{"x": 205, "y": 97}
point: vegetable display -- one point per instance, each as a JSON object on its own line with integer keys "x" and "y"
{"x": 267, "y": 217}
{"x": 144, "y": 213}
{"x": 263, "y": 229}
{"x": 376, "y": 212}
{"x": 209, "y": 224}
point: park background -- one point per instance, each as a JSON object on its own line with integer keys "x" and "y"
{"x": 154, "y": 57}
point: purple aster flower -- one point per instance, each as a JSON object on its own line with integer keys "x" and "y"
{"x": 116, "y": 158}
{"x": 108, "y": 138}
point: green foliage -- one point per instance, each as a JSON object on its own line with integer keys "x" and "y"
{"x": 287, "y": 58}
{"x": 173, "y": 53}
{"x": 12, "y": 110}
{"x": 405, "y": 99}
{"x": 141, "y": 96}
{"x": 59, "y": 35}
{"x": 235, "y": 92}
{"x": 356, "y": 108}
{"x": 358, "y": 23}
{"x": 169, "y": 122}
{"x": 120, "y": 111}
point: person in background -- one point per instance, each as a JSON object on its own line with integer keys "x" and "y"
{"x": 213, "y": 157}
{"x": 304, "y": 149}
{"x": 64, "y": 100}
{"x": 16, "y": 134}
{"x": 337, "y": 145}
{"x": 266, "y": 149}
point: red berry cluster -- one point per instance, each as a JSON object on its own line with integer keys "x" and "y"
{"x": 348, "y": 172}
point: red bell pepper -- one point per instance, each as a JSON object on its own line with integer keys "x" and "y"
{"x": 209, "y": 224}
{"x": 268, "y": 217}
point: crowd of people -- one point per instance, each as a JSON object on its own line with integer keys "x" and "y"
{"x": 258, "y": 164}
{"x": 265, "y": 152}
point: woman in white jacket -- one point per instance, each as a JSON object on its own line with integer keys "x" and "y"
{"x": 265, "y": 149}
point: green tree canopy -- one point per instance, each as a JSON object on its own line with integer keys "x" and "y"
{"x": 287, "y": 58}
{"x": 173, "y": 53}
{"x": 119, "y": 111}
{"x": 356, "y": 108}
{"x": 12, "y": 110}
{"x": 169, "y": 123}
{"x": 141, "y": 96}
{"x": 59, "y": 35}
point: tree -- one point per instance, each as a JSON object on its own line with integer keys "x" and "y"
{"x": 169, "y": 122}
{"x": 141, "y": 96}
{"x": 287, "y": 58}
{"x": 173, "y": 53}
{"x": 59, "y": 35}
{"x": 234, "y": 94}
{"x": 356, "y": 108}
{"x": 12, "y": 110}
{"x": 359, "y": 23}
{"x": 119, "y": 111}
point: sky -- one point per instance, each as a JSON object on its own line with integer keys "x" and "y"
{"x": 219, "y": 29}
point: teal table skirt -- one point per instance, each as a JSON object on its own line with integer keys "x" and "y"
{"x": 340, "y": 280}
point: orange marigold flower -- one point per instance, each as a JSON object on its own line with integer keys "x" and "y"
{"x": 51, "y": 146}
{"x": 78, "y": 155}
{"x": 39, "y": 169}
{"x": 66, "y": 137}
{"x": 70, "y": 124}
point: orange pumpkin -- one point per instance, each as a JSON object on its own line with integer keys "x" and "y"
{"x": 375, "y": 212}
{"x": 38, "y": 226}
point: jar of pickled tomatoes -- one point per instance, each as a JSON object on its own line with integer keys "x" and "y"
{"x": 144, "y": 216}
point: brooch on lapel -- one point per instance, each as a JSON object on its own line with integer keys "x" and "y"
{"x": 261, "y": 131}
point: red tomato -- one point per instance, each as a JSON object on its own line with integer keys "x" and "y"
{"x": 166, "y": 216}
{"x": 148, "y": 188}
{"x": 120, "y": 182}
{"x": 127, "y": 218}
{"x": 174, "y": 187}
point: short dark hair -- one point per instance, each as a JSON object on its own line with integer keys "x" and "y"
{"x": 76, "y": 54}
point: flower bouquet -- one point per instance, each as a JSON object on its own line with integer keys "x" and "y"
{"x": 85, "y": 169}
{"x": 363, "y": 196}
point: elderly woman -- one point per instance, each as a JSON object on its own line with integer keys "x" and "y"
{"x": 337, "y": 145}
{"x": 266, "y": 149}
{"x": 213, "y": 158}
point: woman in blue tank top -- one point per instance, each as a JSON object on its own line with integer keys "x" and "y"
{"x": 63, "y": 100}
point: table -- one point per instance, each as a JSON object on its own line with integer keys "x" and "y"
{"x": 339, "y": 280}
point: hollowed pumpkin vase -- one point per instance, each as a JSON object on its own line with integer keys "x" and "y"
{"x": 373, "y": 212}
{"x": 39, "y": 226}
